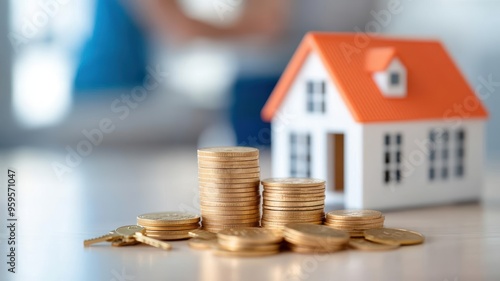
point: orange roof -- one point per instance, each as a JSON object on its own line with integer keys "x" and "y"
{"x": 435, "y": 85}
{"x": 378, "y": 59}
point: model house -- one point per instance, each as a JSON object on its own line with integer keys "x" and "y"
{"x": 388, "y": 122}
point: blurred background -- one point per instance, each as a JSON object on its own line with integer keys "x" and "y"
{"x": 195, "y": 73}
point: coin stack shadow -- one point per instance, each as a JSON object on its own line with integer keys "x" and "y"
{"x": 169, "y": 225}
{"x": 354, "y": 224}
{"x": 292, "y": 200}
{"x": 228, "y": 180}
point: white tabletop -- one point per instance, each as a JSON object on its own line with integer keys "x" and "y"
{"x": 109, "y": 188}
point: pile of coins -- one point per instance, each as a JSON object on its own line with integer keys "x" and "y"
{"x": 354, "y": 221}
{"x": 229, "y": 187}
{"x": 168, "y": 225}
{"x": 310, "y": 238}
{"x": 292, "y": 200}
{"x": 248, "y": 242}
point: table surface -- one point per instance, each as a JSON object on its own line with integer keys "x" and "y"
{"x": 110, "y": 187}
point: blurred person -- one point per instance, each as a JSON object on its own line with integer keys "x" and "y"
{"x": 264, "y": 37}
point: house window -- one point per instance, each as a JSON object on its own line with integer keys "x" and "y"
{"x": 439, "y": 148}
{"x": 300, "y": 155}
{"x": 460, "y": 153}
{"x": 316, "y": 96}
{"x": 394, "y": 78}
{"x": 392, "y": 158}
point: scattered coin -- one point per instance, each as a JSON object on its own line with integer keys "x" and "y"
{"x": 310, "y": 238}
{"x": 167, "y": 218}
{"x": 366, "y": 245}
{"x": 354, "y": 221}
{"x": 394, "y": 236}
{"x": 168, "y": 225}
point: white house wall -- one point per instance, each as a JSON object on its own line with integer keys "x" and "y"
{"x": 292, "y": 116}
{"x": 415, "y": 188}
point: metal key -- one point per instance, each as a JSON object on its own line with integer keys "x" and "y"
{"x": 110, "y": 237}
{"x": 121, "y": 243}
{"x": 130, "y": 233}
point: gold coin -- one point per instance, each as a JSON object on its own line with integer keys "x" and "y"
{"x": 365, "y": 245}
{"x": 229, "y": 199}
{"x": 229, "y": 225}
{"x": 357, "y": 233}
{"x": 293, "y": 198}
{"x": 202, "y": 244}
{"x": 229, "y": 204}
{"x": 361, "y": 228}
{"x": 229, "y": 190}
{"x": 353, "y": 215}
{"x": 294, "y": 208}
{"x": 229, "y": 186}
{"x": 283, "y": 223}
{"x": 229, "y": 176}
{"x": 291, "y": 220}
{"x": 394, "y": 236}
{"x": 316, "y": 232}
{"x": 231, "y": 195}
{"x": 314, "y": 250}
{"x": 274, "y": 217}
{"x": 292, "y": 182}
{"x": 226, "y": 253}
{"x": 299, "y": 196}
{"x": 295, "y": 191}
{"x": 167, "y": 232}
{"x": 202, "y": 234}
{"x": 223, "y": 159}
{"x": 228, "y": 208}
{"x": 218, "y": 228}
{"x": 228, "y": 151}
{"x": 278, "y": 188}
{"x": 228, "y": 171}
{"x": 250, "y": 235}
{"x": 269, "y": 203}
{"x": 231, "y": 216}
{"x": 355, "y": 222}
{"x": 174, "y": 227}
{"x": 232, "y": 213}
{"x": 168, "y": 237}
{"x": 227, "y": 165}
{"x": 253, "y": 180}
{"x": 229, "y": 221}
{"x": 236, "y": 247}
{"x": 315, "y": 243}
{"x": 167, "y": 218}
{"x": 293, "y": 213}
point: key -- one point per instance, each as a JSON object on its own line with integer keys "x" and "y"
{"x": 110, "y": 237}
{"x": 130, "y": 233}
{"x": 121, "y": 243}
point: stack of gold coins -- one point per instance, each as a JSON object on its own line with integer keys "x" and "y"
{"x": 311, "y": 238}
{"x": 229, "y": 187}
{"x": 169, "y": 225}
{"x": 248, "y": 242}
{"x": 354, "y": 221}
{"x": 292, "y": 200}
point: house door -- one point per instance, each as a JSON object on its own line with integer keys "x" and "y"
{"x": 336, "y": 162}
